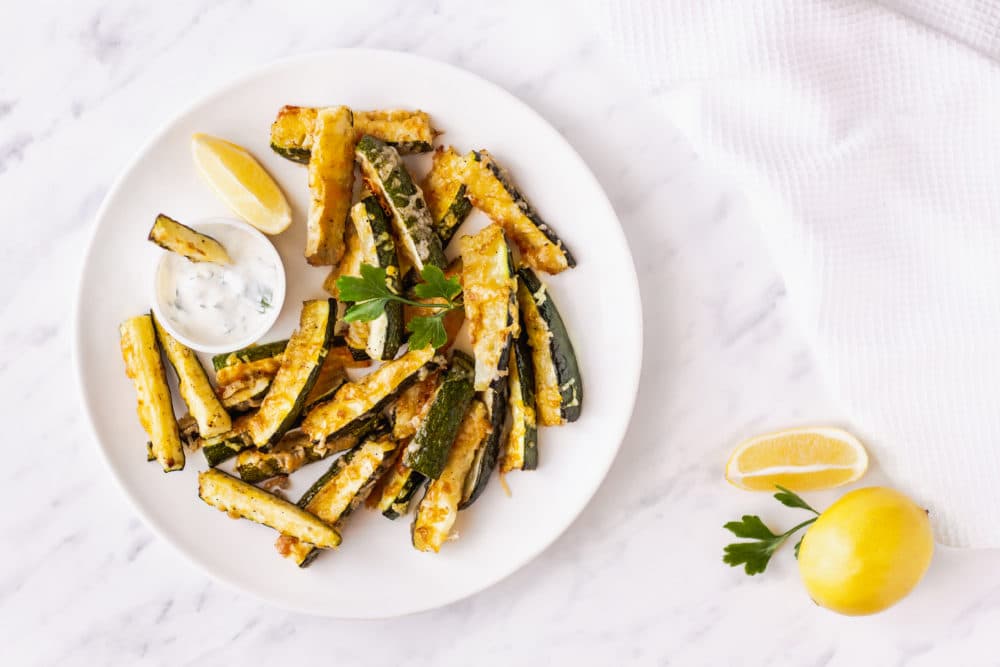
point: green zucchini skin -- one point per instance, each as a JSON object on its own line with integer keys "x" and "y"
{"x": 218, "y": 453}
{"x": 458, "y": 211}
{"x": 386, "y": 175}
{"x": 316, "y": 325}
{"x": 385, "y": 334}
{"x": 428, "y": 452}
{"x": 411, "y": 280}
{"x": 250, "y": 353}
{"x": 560, "y": 346}
{"x": 400, "y": 505}
{"x": 226, "y": 446}
{"x": 358, "y": 355}
{"x": 488, "y": 454}
{"x": 320, "y": 398}
{"x": 293, "y": 153}
{"x": 262, "y": 470}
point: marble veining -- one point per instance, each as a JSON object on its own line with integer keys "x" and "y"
{"x": 636, "y": 580}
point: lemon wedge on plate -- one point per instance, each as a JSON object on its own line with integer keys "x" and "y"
{"x": 804, "y": 459}
{"x": 242, "y": 183}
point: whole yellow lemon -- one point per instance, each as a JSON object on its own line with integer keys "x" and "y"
{"x": 866, "y": 552}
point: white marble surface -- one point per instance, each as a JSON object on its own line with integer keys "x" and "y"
{"x": 636, "y": 580}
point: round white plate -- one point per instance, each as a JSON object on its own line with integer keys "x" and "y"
{"x": 375, "y": 573}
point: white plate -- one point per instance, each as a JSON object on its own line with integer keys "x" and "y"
{"x": 375, "y": 573}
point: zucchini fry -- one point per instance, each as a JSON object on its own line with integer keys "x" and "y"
{"x": 492, "y": 192}
{"x": 331, "y": 178}
{"x": 300, "y": 368}
{"x": 245, "y": 501}
{"x": 521, "y": 450}
{"x": 427, "y": 453}
{"x": 384, "y": 334}
{"x": 446, "y": 193}
{"x": 294, "y": 451}
{"x": 197, "y": 247}
{"x": 413, "y": 403}
{"x": 144, "y": 367}
{"x": 247, "y": 354}
{"x": 438, "y": 509}
{"x": 558, "y": 383}
{"x": 196, "y": 390}
{"x": 399, "y": 486}
{"x": 344, "y": 487}
{"x": 355, "y": 402}
{"x": 489, "y": 289}
{"x": 386, "y": 175}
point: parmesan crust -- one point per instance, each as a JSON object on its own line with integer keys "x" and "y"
{"x": 548, "y": 400}
{"x": 354, "y": 399}
{"x": 490, "y": 306}
{"x": 493, "y": 196}
{"x": 331, "y": 179}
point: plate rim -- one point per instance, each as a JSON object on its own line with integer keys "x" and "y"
{"x": 220, "y": 91}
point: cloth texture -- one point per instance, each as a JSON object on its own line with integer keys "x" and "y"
{"x": 864, "y": 136}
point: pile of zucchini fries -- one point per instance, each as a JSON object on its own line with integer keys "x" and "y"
{"x": 438, "y": 420}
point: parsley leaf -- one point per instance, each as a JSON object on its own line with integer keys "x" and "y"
{"x": 750, "y": 527}
{"x": 790, "y": 499}
{"x": 427, "y": 330}
{"x": 371, "y": 285}
{"x": 435, "y": 285}
{"x": 753, "y": 556}
{"x": 366, "y": 311}
{"x": 756, "y": 554}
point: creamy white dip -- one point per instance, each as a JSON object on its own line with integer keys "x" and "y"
{"x": 212, "y": 303}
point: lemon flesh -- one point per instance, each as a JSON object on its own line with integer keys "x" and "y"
{"x": 803, "y": 459}
{"x": 866, "y": 552}
{"x": 242, "y": 183}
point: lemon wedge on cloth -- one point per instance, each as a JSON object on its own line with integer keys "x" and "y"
{"x": 242, "y": 183}
{"x": 804, "y": 459}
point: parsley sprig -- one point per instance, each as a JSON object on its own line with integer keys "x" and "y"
{"x": 755, "y": 555}
{"x": 372, "y": 291}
